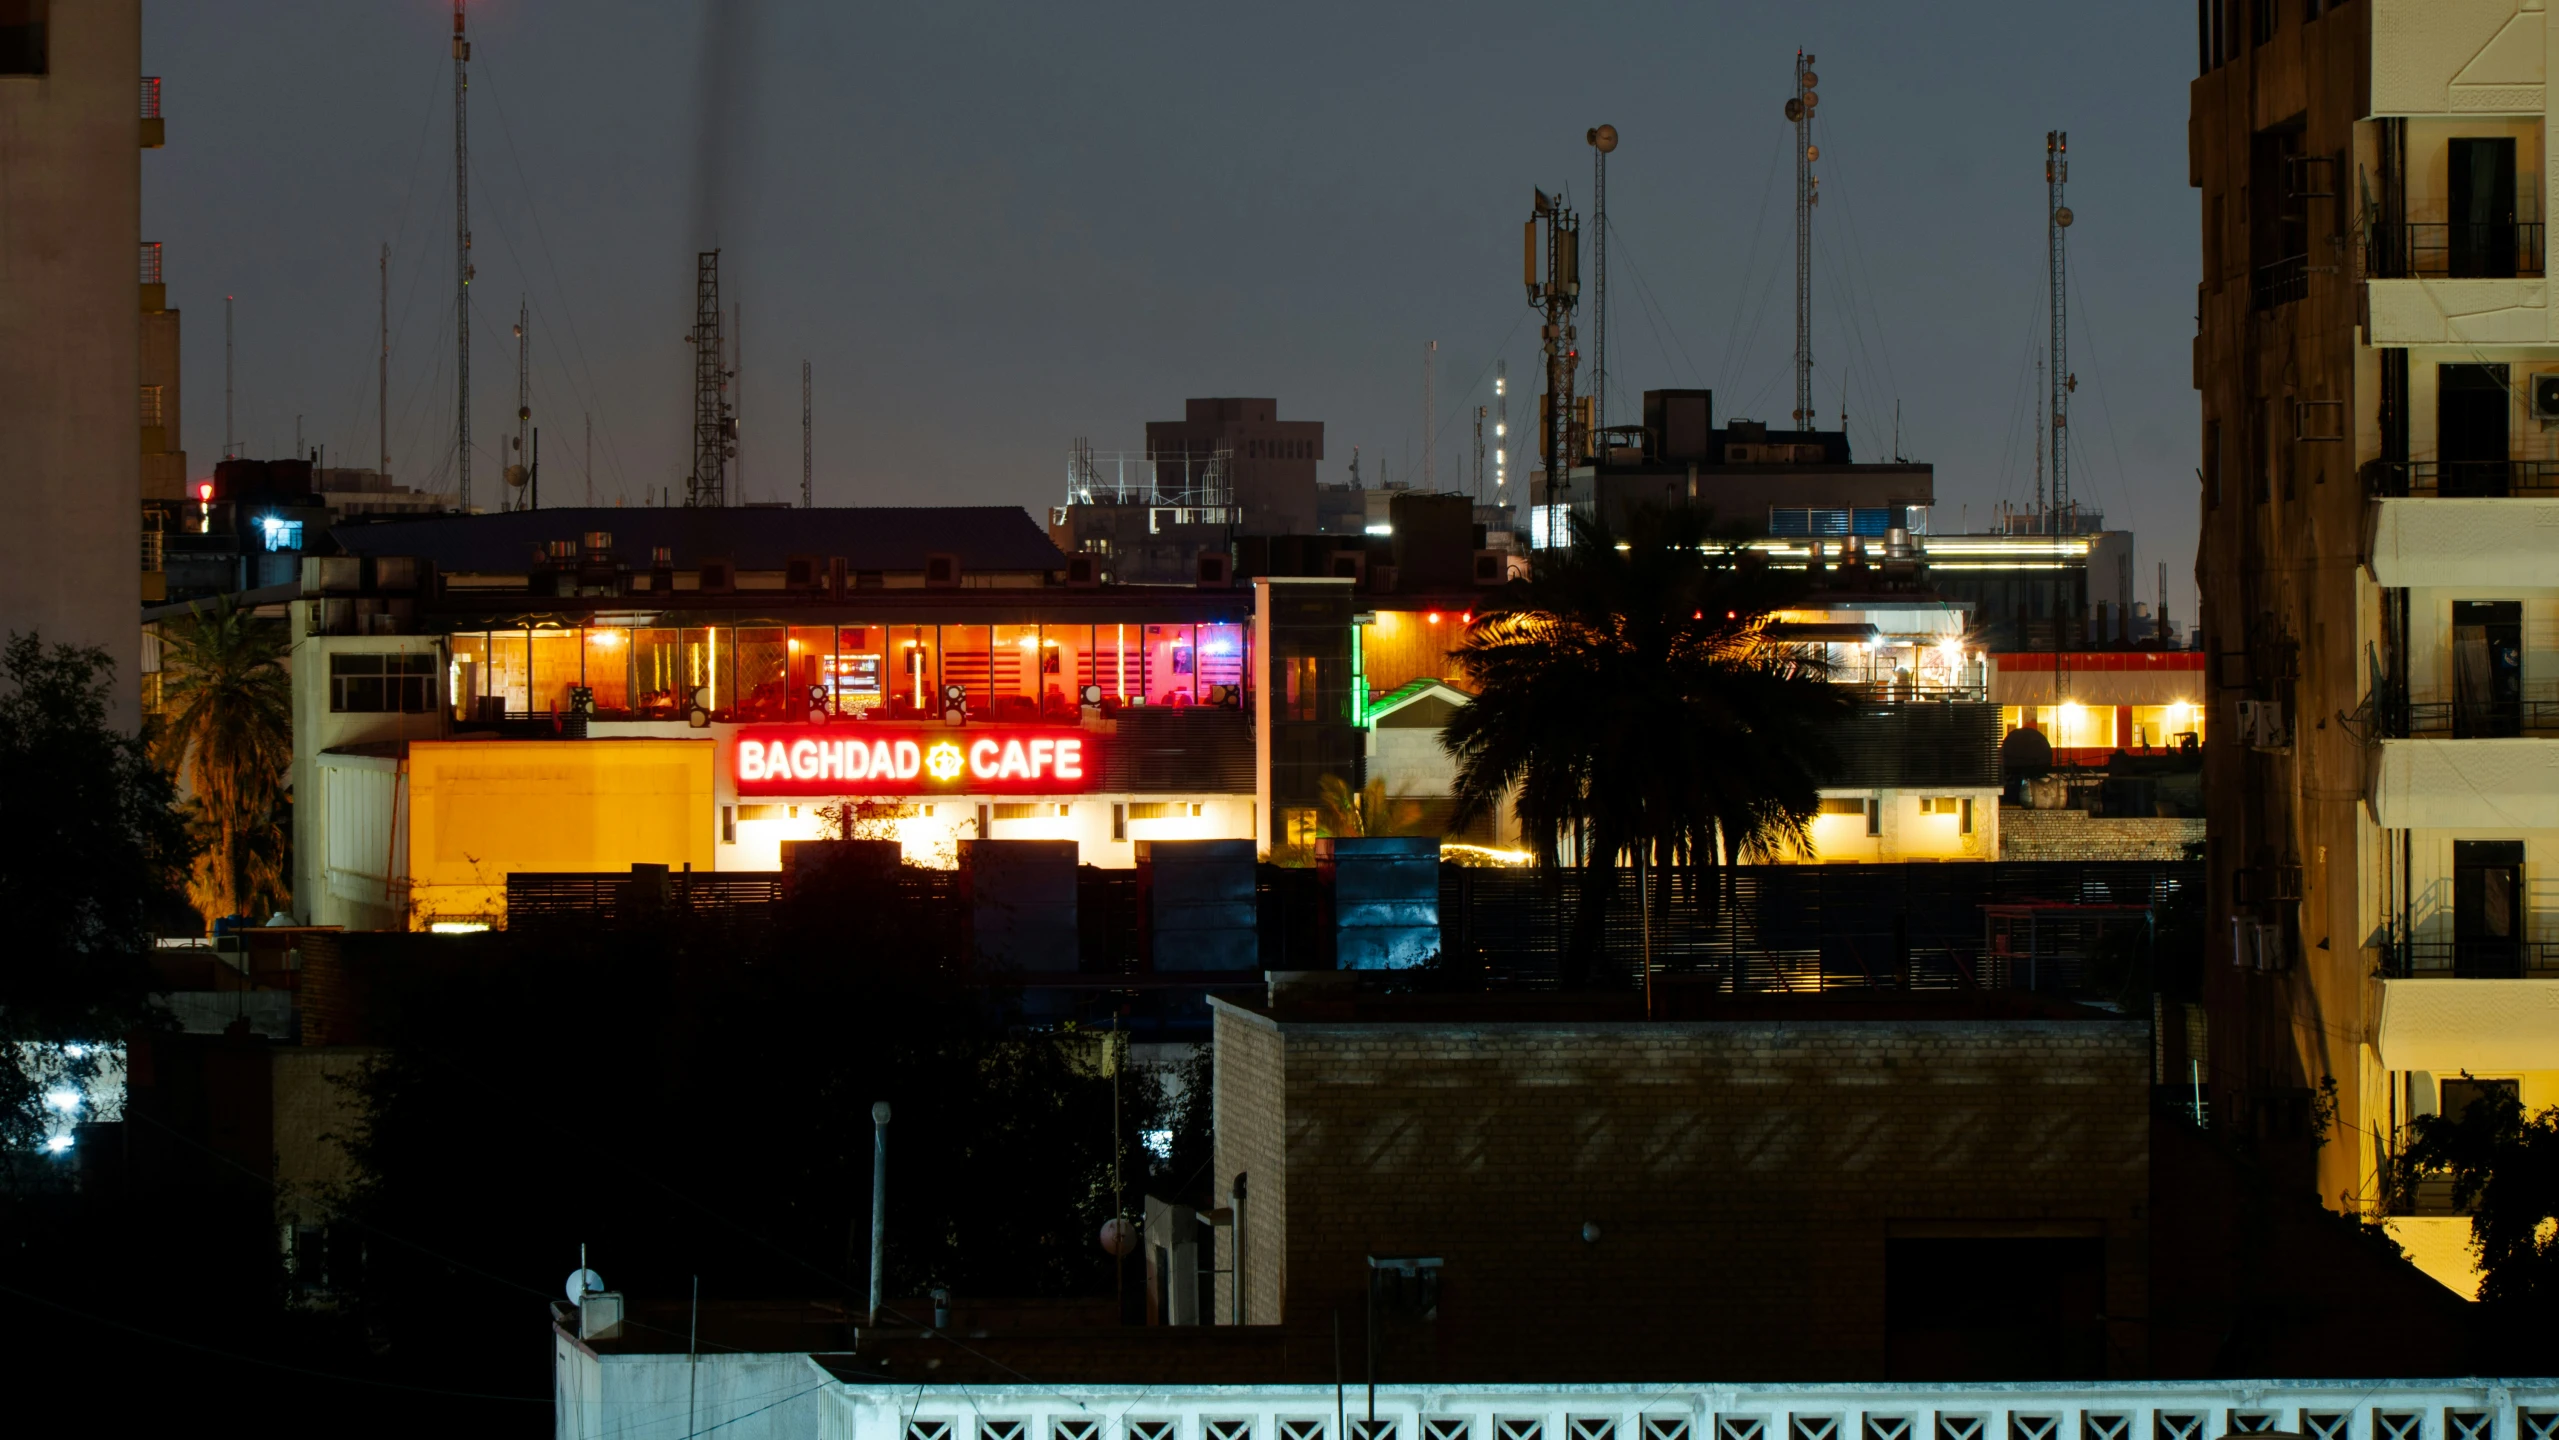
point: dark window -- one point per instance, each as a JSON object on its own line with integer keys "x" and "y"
{"x": 2473, "y": 417}
{"x": 1995, "y": 1309}
{"x": 2263, "y": 29}
{"x": 2487, "y": 908}
{"x": 2278, "y": 215}
{"x": 381, "y": 684}
{"x": 2487, "y": 668}
{"x": 2480, "y": 240}
{"x": 2455, "y": 1097}
{"x": 2212, "y": 464}
{"x": 22, "y": 37}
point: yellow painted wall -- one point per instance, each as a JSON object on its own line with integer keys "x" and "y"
{"x": 482, "y": 809}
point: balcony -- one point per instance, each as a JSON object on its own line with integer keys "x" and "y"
{"x": 155, "y": 130}
{"x": 2489, "y": 784}
{"x": 2448, "y": 1024}
{"x": 2469, "y": 541}
{"x": 2461, "y": 479}
{"x": 2434, "y": 716}
{"x": 2474, "y": 959}
{"x": 2443, "y": 250}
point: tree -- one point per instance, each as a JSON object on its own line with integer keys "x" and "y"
{"x": 1367, "y": 811}
{"x": 91, "y": 851}
{"x": 2505, "y": 1173}
{"x": 1633, "y": 702}
{"x": 229, "y": 732}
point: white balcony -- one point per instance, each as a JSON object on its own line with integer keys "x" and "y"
{"x": 2457, "y": 57}
{"x": 2513, "y": 310}
{"x": 2449, "y": 1025}
{"x": 2468, "y": 785}
{"x": 2504, "y": 542}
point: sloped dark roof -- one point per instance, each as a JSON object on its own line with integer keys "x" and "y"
{"x": 985, "y": 537}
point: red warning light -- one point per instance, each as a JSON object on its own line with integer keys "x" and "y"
{"x": 204, "y": 489}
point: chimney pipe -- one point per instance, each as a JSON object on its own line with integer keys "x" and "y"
{"x": 1235, "y": 1307}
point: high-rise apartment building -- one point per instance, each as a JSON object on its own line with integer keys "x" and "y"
{"x": 2378, "y": 357}
{"x": 70, "y": 347}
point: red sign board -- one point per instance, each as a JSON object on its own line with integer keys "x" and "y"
{"x": 866, "y": 759}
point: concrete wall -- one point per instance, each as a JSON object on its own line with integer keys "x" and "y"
{"x": 2076, "y": 835}
{"x": 738, "y": 1396}
{"x": 71, "y": 342}
{"x": 479, "y": 809}
{"x": 1744, "y": 1176}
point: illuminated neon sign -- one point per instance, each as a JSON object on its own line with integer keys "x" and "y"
{"x": 874, "y": 760}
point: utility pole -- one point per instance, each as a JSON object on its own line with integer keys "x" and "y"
{"x": 737, "y": 402}
{"x": 1556, "y": 295}
{"x": 590, "y": 458}
{"x": 1799, "y": 109}
{"x": 714, "y": 428}
{"x": 382, "y": 383}
{"x": 461, "y": 261}
{"x": 1430, "y": 415}
{"x": 228, "y": 442}
{"x": 1602, "y": 139}
{"x": 2056, "y": 222}
{"x": 808, "y": 446}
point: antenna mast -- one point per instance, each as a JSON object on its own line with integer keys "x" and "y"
{"x": 461, "y": 262}
{"x": 1603, "y": 139}
{"x": 2057, "y": 220}
{"x": 808, "y": 444}
{"x": 714, "y": 428}
{"x": 228, "y": 444}
{"x": 1501, "y": 430}
{"x": 1479, "y": 455}
{"x": 1807, "y": 195}
{"x": 1430, "y": 415}
{"x": 382, "y": 399}
{"x": 1557, "y": 295}
{"x": 520, "y": 473}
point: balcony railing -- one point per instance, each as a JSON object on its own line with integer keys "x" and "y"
{"x": 150, "y": 262}
{"x": 2459, "y": 479}
{"x": 2433, "y": 716}
{"x": 2472, "y": 959}
{"x": 150, "y": 97}
{"x": 2282, "y": 282}
{"x": 2432, "y": 249}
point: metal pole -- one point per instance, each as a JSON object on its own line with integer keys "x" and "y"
{"x": 382, "y": 398}
{"x": 1800, "y": 110}
{"x": 693, "y": 1356}
{"x": 1372, "y": 1344}
{"x": 227, "y": 433}
{"x": 808, "y": 444}
{"x": 1235, "y": 1301}
{"x": 879, "y": 1198}
{"x": 461, "y": 263}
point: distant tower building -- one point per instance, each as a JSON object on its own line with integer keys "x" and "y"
{"x": 1272, "y": 469}
{"x": 71, "y": 371}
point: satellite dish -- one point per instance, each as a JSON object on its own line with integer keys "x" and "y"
{"x": 1811, "y": 99}
{"x": 582, "y": 1283}
{"x": 2061, "y": 217}
{"x": 1119, "y": 1237}
{"x": 1604, "y": 139}
{"x": 1794, "y": 109}
{"x": 1811, "y": 79}
{"x": 515, "y": 476}
{"x": 1812, "y": 152}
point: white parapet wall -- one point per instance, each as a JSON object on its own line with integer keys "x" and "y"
{"x": 2520, "y": 1409}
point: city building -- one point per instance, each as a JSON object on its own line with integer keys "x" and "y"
{"x": 1270, "y": 462}
{"x": 2379, "y": 389}
{"x": 350, "y": 493}
{"x": 535, "y": 692}
{"x": 71, "y": 345}
{"x": 1228, "y": 468}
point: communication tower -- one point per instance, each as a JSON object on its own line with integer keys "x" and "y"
{"x": 2056, "y": 225}
{"x": 1556, "y": 294}
{"x": 461, "y": 261}
{"x": 714, "y": 427}
{"x": 1603, "y": 139}
{"x": 1799, "y": 109}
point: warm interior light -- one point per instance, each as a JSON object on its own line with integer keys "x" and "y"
{"x": 1433, "y": 617}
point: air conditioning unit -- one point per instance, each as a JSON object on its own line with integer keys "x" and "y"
{"x": 1083, "y": 572}
{"x": 803, "y": 573}
{"x": 717, "y": 577}
{"x": 2261, "y": 725}
{"x": 1216, "y": 570}
{"x": 941, "y": 570}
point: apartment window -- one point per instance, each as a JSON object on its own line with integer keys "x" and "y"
{"x": 1162, "y": 810}
{"x": 2474, "y": 415}
{"x": 1042, "y": 811}
{"x": 153, "y": 399}
{"x": 2480, "y": 239}
{"x": 380, "y": 684}
{"x": 2487, "y": 909}
{"x": 22, "y": 36}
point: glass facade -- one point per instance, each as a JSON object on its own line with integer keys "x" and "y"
{"x": 1025, "y": 673}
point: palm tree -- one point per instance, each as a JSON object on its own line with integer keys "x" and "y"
{"x": 1632, "y": 701}
{"x": 1368, "y": 810}
{"x": 226, "y": 729}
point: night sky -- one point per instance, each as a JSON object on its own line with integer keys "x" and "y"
{"x": 994, "y": 228}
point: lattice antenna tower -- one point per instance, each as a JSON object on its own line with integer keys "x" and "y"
{"x": 461, "y": 262}
{"x": 1501, "y": 430}
{"x": 1603, "y": 139}
{"x": 1799, "y": 109}
{"x": 1555, "y": 294}
{"x": 714, "y": 427}
{"x": 808, "y": 445}
{"x": 2057, "y": 219}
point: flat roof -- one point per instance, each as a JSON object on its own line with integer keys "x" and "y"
{"x": 1677, "y": 1001}
{"x": 984, "y": 537}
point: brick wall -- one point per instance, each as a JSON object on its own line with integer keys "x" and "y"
{"x": 1744, "y": 1175}
{"x": 2075, "y": 835}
